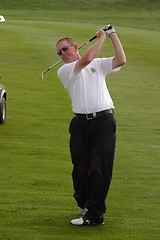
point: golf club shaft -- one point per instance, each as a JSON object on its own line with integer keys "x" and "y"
{"x": 51, "y": 67}
{"x": 90, "y": 40}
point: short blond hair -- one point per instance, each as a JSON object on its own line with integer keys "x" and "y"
{"x": 69, "y": 40}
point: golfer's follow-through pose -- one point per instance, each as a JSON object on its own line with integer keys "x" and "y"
{"x": 93, "y": 127}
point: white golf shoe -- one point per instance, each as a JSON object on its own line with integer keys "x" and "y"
{"x": 83, "y": 221}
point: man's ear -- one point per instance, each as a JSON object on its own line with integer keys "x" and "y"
{"x": 76, "y": 47}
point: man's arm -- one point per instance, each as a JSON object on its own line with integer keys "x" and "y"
{"x": 118, "y": 60}
{"x": 91, "y": 52}
{"x": 120, "y": 57}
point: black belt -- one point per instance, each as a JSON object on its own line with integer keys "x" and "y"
{"x": 90, "y": 116}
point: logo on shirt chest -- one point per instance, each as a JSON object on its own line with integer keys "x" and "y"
{"x": 93, "y": 70}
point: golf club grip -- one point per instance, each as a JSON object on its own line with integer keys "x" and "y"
{"x": 90, "y": 40}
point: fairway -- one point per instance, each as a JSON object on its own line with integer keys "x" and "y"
{"x": 36, "y": 190}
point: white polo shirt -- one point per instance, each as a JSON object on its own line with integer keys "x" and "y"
{"x": 88, "y": 89}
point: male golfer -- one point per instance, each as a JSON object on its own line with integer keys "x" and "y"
{"x": 93, "y": 127}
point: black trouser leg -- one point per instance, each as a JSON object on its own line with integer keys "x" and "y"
{"x": 101, "y": 165}
{"x": 79, "y": 154}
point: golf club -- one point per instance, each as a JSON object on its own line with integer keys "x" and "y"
{"x": 107, "y": 27}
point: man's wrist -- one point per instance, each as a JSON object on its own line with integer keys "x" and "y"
{"x": 112, "y": 33}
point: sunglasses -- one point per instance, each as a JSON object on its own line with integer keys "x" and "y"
{"x": 64, "y": 49}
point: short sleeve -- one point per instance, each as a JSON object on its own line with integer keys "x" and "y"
{"x": 106, "y": 65}
{"x": 66, "y": 75}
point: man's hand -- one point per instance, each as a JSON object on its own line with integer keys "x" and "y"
{"x": 109, "y": 29}
{"x": 101, "y": 33}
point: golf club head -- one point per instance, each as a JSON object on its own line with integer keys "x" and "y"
{"x": 2, "y": 19}
{"x": 42, "y": 77}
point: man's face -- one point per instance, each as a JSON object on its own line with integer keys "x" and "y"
{"x": 67, "y": 51}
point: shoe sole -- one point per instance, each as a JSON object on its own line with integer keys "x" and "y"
{"x": 88, "y": 225}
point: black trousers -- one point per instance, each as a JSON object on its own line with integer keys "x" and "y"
{"x": 92, "y": 147}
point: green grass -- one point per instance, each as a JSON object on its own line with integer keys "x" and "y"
{"x": 35, "y": 169}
